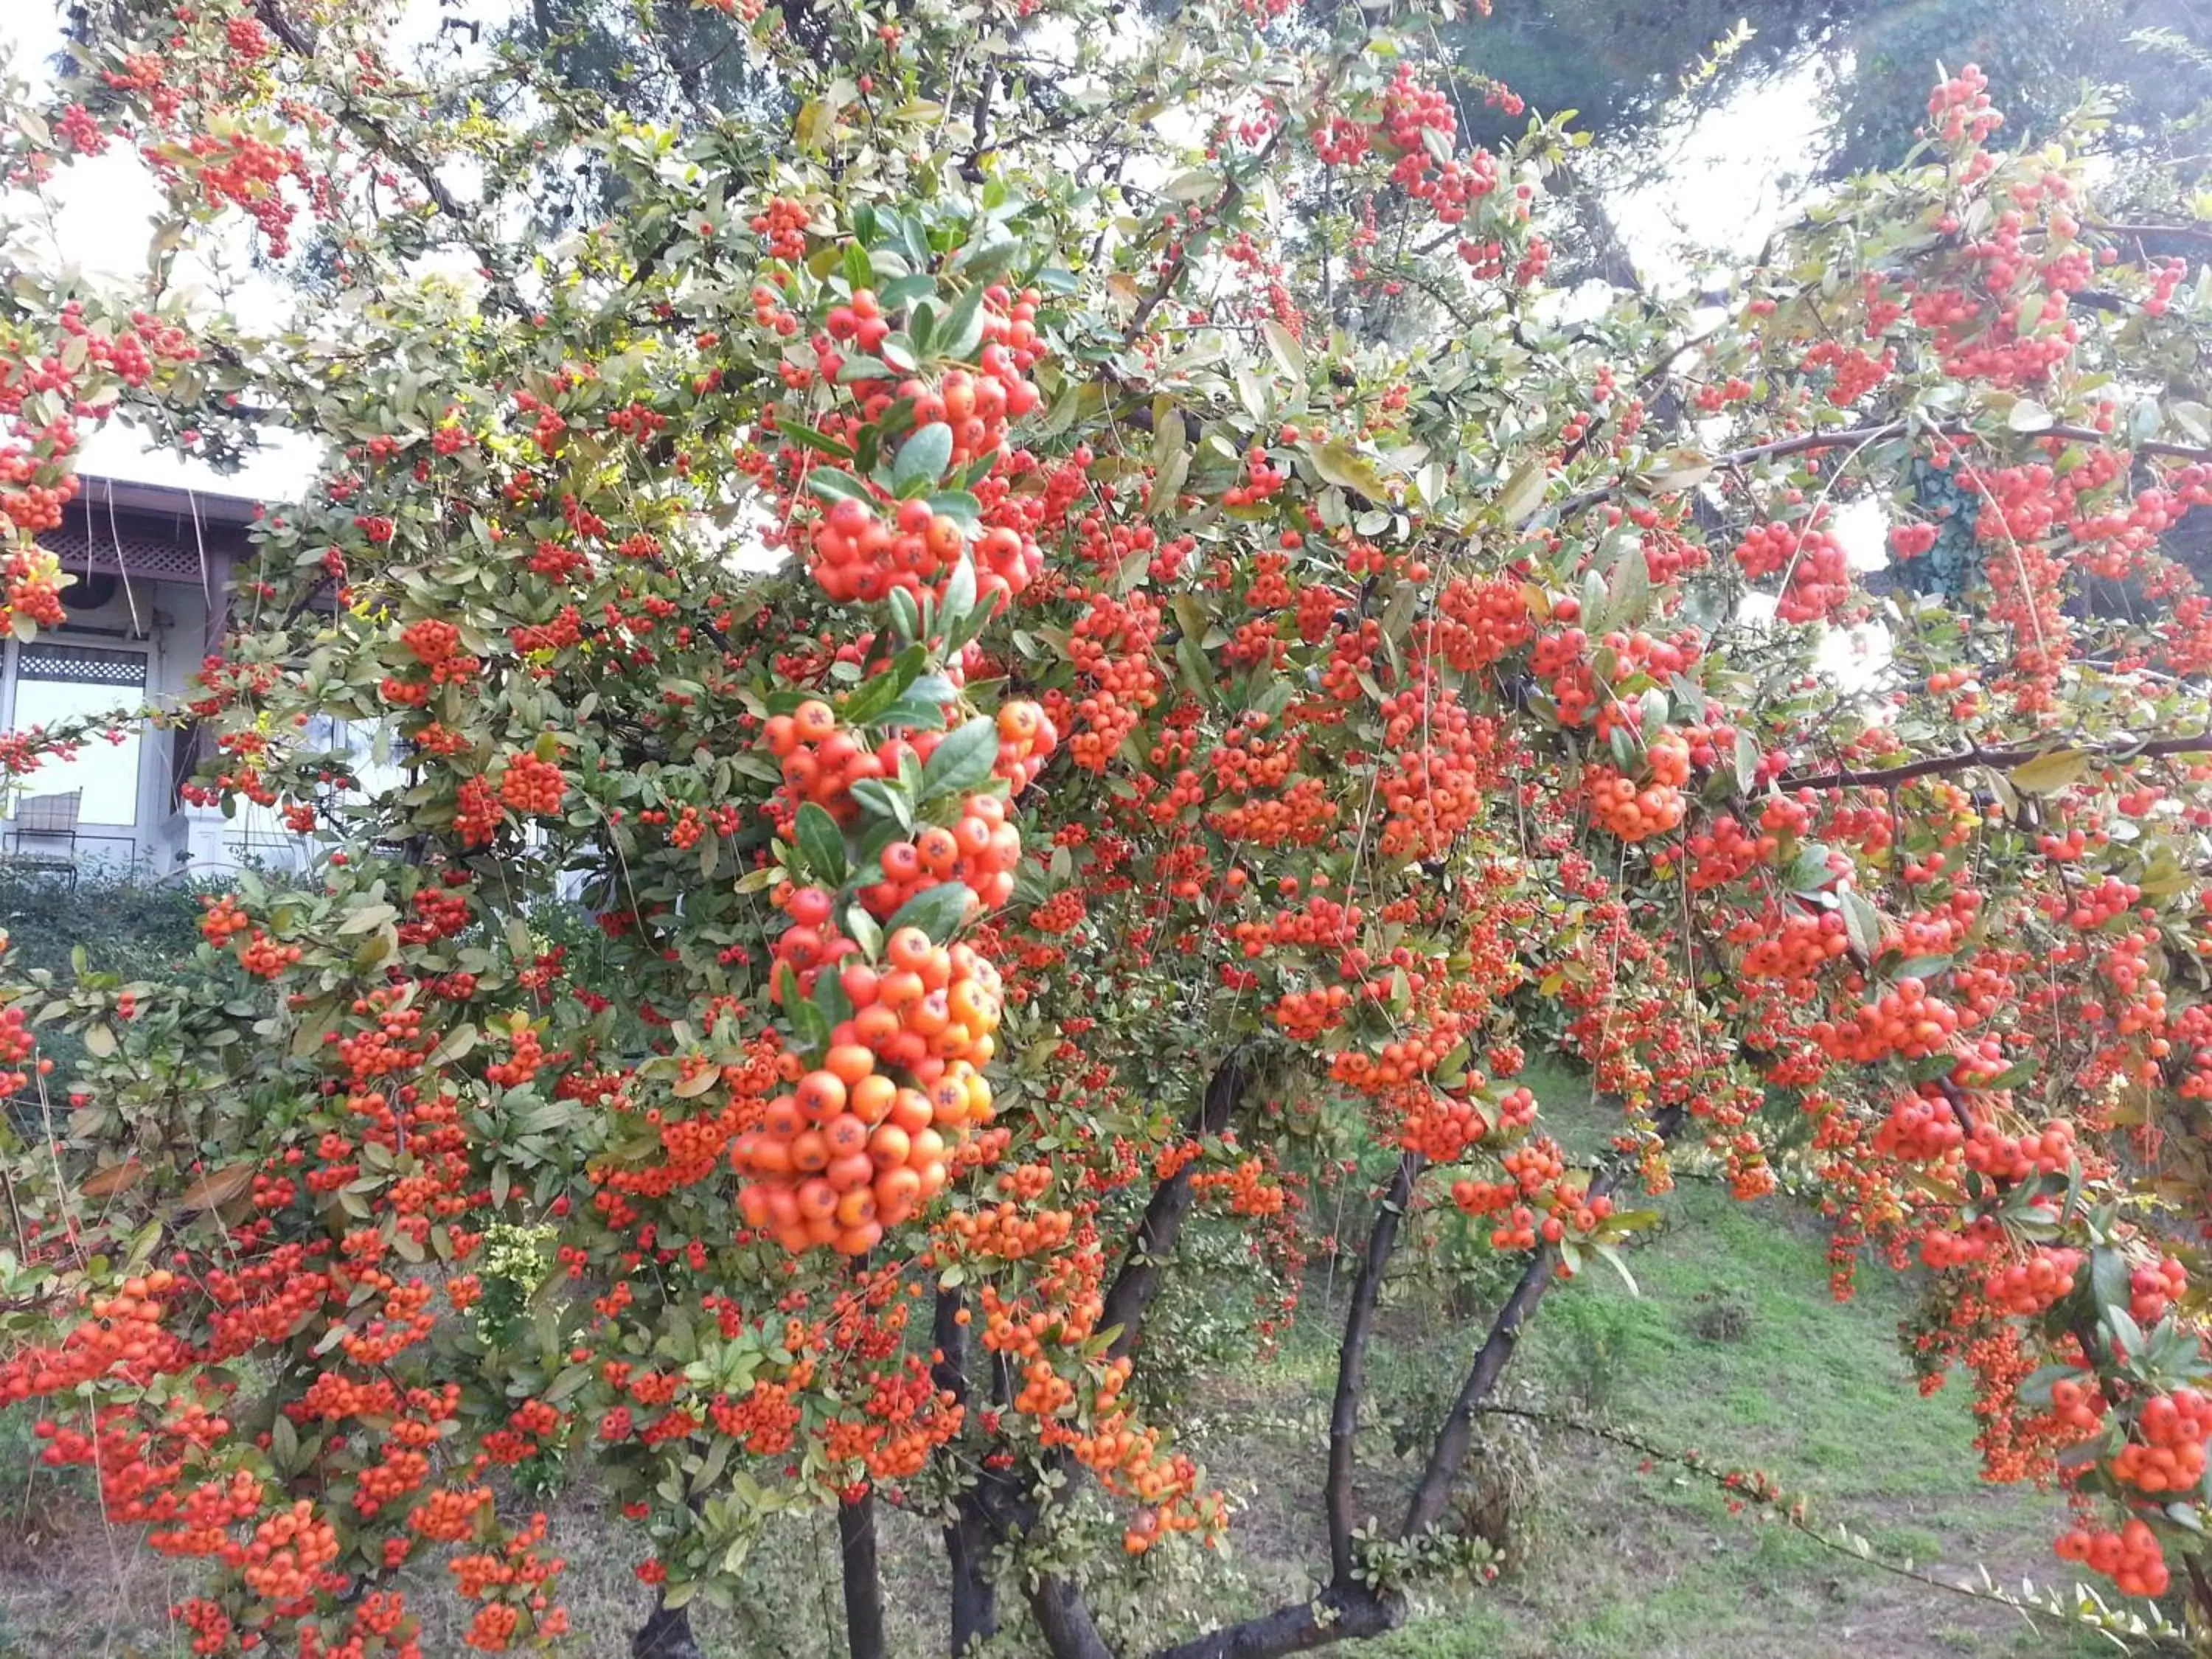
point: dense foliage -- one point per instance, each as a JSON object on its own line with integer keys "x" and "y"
{"x": 1226, "y": 699}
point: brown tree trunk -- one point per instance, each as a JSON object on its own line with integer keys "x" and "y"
{"x": 863, "y": 1575}
{"x": 665, "y": 1634}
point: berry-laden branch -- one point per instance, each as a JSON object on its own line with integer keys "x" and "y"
{"x": 1855, "y": 436}
{"x": 2002, "y": 760}
{"x": 379, "y": 135}
{"x": 975, "y": 1611}
{"x": 1223, "y": 205}
{"x": 1054, "y": 1600}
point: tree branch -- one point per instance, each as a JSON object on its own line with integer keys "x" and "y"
{"x": 1352, "y": 1366}
{"x": 1853, "y": 436}
{"x": 1450, "y": 1450}
{"x": 1065, "y": 1622}
{"x": 975, "y": 1598}
{"x": 1139, "y": 1281}
{"x": 1888, "y": 777}
{"x": 374, "y": 132}
{"x": 1223, "y": 205}
{"x": 1334, "y": 1616}
{"x": 2192, "y": 233}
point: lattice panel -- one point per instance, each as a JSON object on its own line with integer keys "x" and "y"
{"x": 83, "y": 665}
{"x": 146, "y": 557}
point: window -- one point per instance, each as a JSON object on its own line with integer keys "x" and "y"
{"x": 56, "y": 682}
{"x": 259, "y": 834}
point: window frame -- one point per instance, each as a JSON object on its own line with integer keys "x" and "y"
{"x": 141, "y": 822}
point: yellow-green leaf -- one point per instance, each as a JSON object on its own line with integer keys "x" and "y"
{"x": 2051, "y": 771}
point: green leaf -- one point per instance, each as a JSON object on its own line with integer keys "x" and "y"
{"x": 922, "y": 460}
{"x": 1524, "y": 491}
{"x": 1250, "y": 392}
{"x": 963, "y": 759}
{"x": 1171, "y": 457}
{"x": 808, "y": 1022}
{"x": 1290, "y": 356}
{"x": 838, "y": 485}
{"x": 1862, "y": 924}
{"x": 821, "y": 844}
{"x": 866, "y": 705}
{"x": 807, "y": 438}
{"x": 1677, "y": 470}
{"x": 1810, "y": 873}
{"x": 961, "y": 329}
{"x": 1629, "y": 593}
{"x": 1339, "y": 463}
{"x": 937, "y": 911}
{"x": 1746, "y": 762}
{"x": 886, "y": 800}
{"x": 829, "y": 997}
{"x": 455, "y": 1045}
{"x": 1921, "y": 968}
{"x": 2051, "y": 771}
{"x": 919, "y": 710}
{"x": 984, "y": 261}
{"x": 902, "y": 290}
{"x": 1611, "y": 1256}
{"x": 958, "y": 505}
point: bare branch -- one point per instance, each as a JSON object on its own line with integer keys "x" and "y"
{"x": 1351, "y": 1365}
{"x": 1138, "y": 1281}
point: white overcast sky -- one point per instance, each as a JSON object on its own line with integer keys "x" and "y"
{"x": 1726, "y": 185}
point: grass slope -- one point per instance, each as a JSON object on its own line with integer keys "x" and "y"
{"x": 1735, "y": 1347}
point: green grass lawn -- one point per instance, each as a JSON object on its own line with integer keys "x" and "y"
{"x": 1616, "y": 1562}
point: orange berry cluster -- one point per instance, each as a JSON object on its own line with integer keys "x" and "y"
{"x": 2131, "y": 1558}
{"x": 857, "y": 557}
{"x": 980, "y": 849}
{"x": 1027, "y": 737}
{"x": 265, "y": 957}
{"x": 1442, "y": 1128}
{"x": 2002, "y": 1157}
{"x": 1444, "y": 762}
{"x": 1633, "y": 812}
{"x": 2153, "y": 1289}
{"x": 1792, "y": 946}
{"x": 1921, "y": 1129}
{"x": 851, "y": 1151}
{"x": 1819, "y": 578}
{"x": 822, "y": 761}
{"x": 1111, "y": 647}
{"x": 1477, "y": 624}
{"x": 1903, "y": 1021}
{"x": 532, "y": 784}
{"x": 2170, "y": 1457}
{"x": 2030, "y": 1286}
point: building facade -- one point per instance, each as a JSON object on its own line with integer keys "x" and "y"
{"x": 153, "y": 567}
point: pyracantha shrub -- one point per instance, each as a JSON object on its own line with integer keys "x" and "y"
{"x": 1229, "y": 677}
